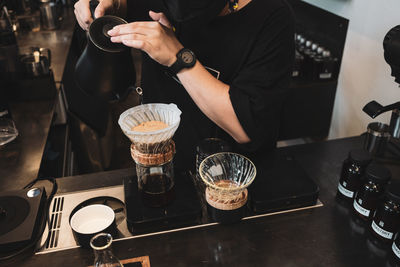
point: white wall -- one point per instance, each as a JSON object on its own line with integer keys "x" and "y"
{"x": 364, "y": 75}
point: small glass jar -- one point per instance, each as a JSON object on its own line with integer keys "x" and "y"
{"x": 367, "y": 198}
{"x": 353, "y": 169}
{"x": 386, "y": 220}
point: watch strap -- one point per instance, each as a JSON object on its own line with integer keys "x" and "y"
{"x": 181, "y": 61}
{"x": 176, "y": 67}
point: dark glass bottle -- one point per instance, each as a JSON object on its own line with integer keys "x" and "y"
{"x": 396, "y": 249}
{"x": 367, "y": 198}
{"x": 324, "y": 66}
{"x": 386, "y": 220}
{"x": 301, "y": 45}
{"x": 297, "y": 71}
{"x": 353, "y": 169}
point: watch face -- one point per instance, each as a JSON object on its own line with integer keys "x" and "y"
{"x": 187, "y": 57}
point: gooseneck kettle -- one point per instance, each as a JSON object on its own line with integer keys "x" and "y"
{"x": 105, "y": 69}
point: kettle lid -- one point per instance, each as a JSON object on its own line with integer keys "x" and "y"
{"x": 98, "y": 33}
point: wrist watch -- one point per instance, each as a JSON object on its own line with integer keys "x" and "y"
{"x": 185, "y": 59}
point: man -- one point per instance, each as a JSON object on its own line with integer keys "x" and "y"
{"x": 225, "y": 63}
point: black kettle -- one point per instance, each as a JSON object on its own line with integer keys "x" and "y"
{"x": 105, "y": 70}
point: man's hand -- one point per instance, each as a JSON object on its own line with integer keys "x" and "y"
{"x": 156, "y": 38}
{"x": 82, "y": 11}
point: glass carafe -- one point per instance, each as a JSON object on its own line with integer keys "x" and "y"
{"x": 156, "y": 183}
{"x": 103, "y": 256}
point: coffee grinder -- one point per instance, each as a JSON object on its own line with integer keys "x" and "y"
{"x": 153, "y": 151}
{"x": 379, "y": 137}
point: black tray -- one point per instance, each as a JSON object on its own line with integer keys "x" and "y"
{"x": 281, "y": 184}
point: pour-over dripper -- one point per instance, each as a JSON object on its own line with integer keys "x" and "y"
{"x": 227, "y": 176}
{"x": 153, "y": 151}
{"x": 227, "y": 173}
{"x": 154, "y": 141}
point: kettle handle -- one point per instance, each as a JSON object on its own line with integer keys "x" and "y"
{"x": 92, "y": 5}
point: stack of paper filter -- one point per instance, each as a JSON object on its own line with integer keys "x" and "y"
{"x": 152, "y": 145}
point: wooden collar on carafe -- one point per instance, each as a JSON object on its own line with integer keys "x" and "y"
{"x": 152, "y": 159}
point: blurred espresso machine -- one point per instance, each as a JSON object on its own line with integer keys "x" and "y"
{"x": 22, "y": 67}
{"x": 9, "y": 63}
{"x": 8, "y": 47}
{"x": 383, "y": 140}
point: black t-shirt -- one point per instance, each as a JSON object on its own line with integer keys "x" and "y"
{"x": 252, "y": 51}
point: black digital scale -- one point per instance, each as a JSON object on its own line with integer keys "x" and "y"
{"x": 281, "y": 184}
{"x": 184, "y": 210}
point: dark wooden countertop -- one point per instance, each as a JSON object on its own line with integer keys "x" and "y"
{"x": 20, "y": 159}
{"x": 325, "y": 236}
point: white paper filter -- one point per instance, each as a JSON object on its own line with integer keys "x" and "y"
{"x": 167, "y": 113}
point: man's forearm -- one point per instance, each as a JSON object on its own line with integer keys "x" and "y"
{"x": 212, "y": 97}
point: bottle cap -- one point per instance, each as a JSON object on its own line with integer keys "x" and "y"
{"x": 326, "y": 53}
{"x": 360, "y": 156}
{"x": 314, "y": 46}
{"x": 378, "y": 173}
